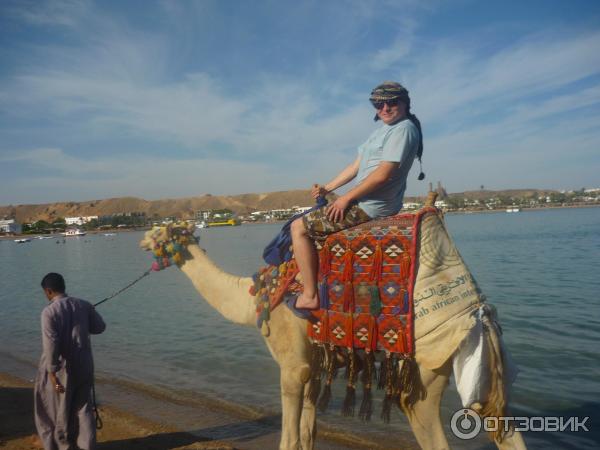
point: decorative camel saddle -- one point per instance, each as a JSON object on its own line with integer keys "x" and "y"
{"x": 366, "y": 280}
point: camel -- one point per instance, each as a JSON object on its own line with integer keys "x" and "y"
{"x": 289, "y": 345}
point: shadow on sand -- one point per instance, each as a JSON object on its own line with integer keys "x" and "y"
{"x": 240, "y": 431}
{"x": 16, "y": 415}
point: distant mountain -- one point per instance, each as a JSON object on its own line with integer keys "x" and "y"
{"x": 186, "y": 207}
{"x": 180, "y": 207}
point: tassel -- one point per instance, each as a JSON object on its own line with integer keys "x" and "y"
{"x": 349, "y": 401}
{"x": 375, "y": 303}
{"x": 324, "y": 294}
{"x": 405, "y": 266}
{"x": 375, "y": 275}
{"x": 324, "y": 399}
{"x": 324, "y": 261}
{"x": 387, "y": 408}
{"x": 410, "y": 384}
{"x": 389, "y": 388}
{"x": 348, "y": 269}
{"x": 264, "y": 329}
{"x": 366, "y": 406}
{"x": 349, "y": 298}
{"x": 330, "y": 355}
{"x": 316, "y": 371}
{"x": 381, "y": 380}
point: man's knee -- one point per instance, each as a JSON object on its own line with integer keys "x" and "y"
{"x": 298, "y": 228}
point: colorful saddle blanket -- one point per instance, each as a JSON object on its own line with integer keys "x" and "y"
{"x": 366, "y": 281}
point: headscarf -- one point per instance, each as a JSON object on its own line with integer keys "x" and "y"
{"x": 390, "y": 90}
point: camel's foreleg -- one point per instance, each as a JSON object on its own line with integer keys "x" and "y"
{"x": 424, "y": 415}
{"x": 308, "y": 421}
{"x": 292, "y": 398}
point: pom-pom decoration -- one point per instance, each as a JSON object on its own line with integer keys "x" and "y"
{"x": 170, "y": 243}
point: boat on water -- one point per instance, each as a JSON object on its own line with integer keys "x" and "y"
{"x": 45, "y": 237}
{"x": 201, "y": 224}
{"x": 22, "y": 241}
{"x": 513, "y": 209}
{"x": 110, "y": 234}
{"x": 225, "y": 223}
{"x": 74, "y": 232}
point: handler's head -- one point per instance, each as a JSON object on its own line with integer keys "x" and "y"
{"x": 53, "y": 284}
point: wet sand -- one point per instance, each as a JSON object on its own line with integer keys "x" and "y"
{"x": 147, "y": 419}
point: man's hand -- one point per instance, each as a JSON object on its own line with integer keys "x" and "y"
{"x": 318, "y": 191}
{"x": 335, "y": 212}
{"x": 58, "y": 388}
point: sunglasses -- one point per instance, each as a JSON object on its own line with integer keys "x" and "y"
{"x": 378, "y": 104}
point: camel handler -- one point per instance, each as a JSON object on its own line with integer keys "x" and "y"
{"x": 63, "y": 404}
{"x": 381, "y": 170}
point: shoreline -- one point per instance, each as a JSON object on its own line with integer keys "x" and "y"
{"x": 467, "y": 211}
{"x": 141, "y": 416}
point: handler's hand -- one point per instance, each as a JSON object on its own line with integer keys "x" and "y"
{"x": 318, "y": 191}
{"x": 335, "y": 212}
{"x": 58, "y": 388}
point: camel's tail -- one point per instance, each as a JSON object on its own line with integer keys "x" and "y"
{"x": 497, "y": 399}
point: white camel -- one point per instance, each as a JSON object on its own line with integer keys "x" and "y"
{"x": 436, "y": 343}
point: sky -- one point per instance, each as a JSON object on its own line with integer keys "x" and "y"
{"x": 165, "y": 99}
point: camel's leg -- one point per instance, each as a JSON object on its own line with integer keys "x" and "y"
{"x": 424, "y": 416}
{"x": 512, "y": 441}
{"x": 308, "y": 421}
{"x": 292, "y": 384}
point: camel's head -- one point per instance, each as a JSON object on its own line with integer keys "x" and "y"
{"x": 168, "y": 243}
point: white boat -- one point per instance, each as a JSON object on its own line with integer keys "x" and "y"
{"x": 74, "y": 232}
{"x": 22, "y": 241}
{"x": 45, "y": 237}
{"x": 201, "y": 224}
{"x": 513, "y": 209}
{"x": 110, "y": 234}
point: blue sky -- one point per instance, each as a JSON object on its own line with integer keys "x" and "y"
{"x": 160, "y": 99}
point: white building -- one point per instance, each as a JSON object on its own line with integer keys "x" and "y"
{"x": 412, "y": 205}
{"x": 79, "y": 220}
{"x": 10, "y": 226}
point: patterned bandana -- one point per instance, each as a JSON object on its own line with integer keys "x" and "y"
{"x": 389, "y": 90}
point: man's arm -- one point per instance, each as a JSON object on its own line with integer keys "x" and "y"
{"x": 97, "y": 324}
{"x": 344, "y": 177}
{"x": 50, "y": 343}
{"x": 385, "y": 169}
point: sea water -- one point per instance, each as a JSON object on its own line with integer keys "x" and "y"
{"x": 539, "y": 268}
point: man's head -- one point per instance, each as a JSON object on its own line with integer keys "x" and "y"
{"x": 53, "y": 284}
{"x": 391, "y": 101}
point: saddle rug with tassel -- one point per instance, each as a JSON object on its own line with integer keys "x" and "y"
{"x": 366, "y": 281}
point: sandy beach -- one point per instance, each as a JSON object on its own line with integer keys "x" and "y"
{"x": 144, "y": 420}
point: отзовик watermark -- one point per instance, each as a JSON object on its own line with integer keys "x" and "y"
{"x": 466, "y": 423}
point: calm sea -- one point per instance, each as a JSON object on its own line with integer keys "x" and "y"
{"x": 539, "y": 268}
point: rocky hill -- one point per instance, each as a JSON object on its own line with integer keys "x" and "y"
{"x": 180, "y": 207}
{"x": 186, "y": 207}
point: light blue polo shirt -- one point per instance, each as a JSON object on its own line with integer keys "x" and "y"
{"x": 396, "y": 143}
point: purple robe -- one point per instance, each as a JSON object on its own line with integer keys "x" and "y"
{"x": 67, "y": 419}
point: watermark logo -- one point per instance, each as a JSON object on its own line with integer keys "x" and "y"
{"x": 466, "y": 423}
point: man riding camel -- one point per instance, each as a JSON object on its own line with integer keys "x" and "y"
{"x": 381, "y": 170}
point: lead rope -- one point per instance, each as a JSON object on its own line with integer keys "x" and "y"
{"x": 99, "y": 423}
{"x": 147, "y": 272}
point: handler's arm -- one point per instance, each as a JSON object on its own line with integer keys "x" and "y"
{"x": 50, "y": 342}
{"x": 372, "y": 182}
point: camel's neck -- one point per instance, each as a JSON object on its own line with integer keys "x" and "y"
{"x": 227, "y": 293}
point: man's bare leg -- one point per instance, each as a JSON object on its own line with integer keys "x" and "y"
{"x": 307, "y": 260}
